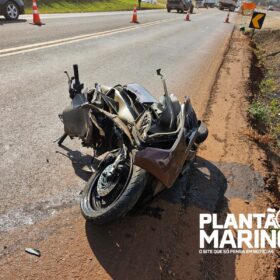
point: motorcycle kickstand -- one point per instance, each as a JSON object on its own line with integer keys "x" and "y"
{"x": 61, "y": 139}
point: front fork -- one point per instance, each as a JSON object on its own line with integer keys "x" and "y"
{"x": 115, "y": 159}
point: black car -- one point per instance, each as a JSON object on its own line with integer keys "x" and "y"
{"x": 179, "y": 5}
{"x": 11, "y": 9}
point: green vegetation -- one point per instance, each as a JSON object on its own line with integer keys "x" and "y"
{"x": 259, "y": 111}
{"x": 265, "y": 76}
{"x": 266, "y": 107}
{"x": 267, "y": 86}
{"x": 67, "y": 6}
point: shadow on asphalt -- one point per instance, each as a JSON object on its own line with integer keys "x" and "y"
{"x": 4, "y": 21}
{"x": 79, "y": 162}
{"x": 135, "y": 247}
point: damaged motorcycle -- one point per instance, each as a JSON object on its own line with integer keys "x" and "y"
{"x": 143, "y": 144}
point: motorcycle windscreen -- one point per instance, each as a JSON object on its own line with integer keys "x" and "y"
{"x": 142, "y": 94}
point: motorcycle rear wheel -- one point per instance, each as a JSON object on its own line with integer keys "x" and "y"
{"x": 105, "y": 212}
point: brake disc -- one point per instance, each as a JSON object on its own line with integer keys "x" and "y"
{"x": 107, "y": 181}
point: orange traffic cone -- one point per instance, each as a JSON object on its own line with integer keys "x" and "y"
{"x": 36, "y": 16}
{"x": 227, "y": 18}
{"x": 188, "y": 17}
{"x": 134, "y": 15}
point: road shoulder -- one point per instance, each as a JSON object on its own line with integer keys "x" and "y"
{"x": 240, "y": 159}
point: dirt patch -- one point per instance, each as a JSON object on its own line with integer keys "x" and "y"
{"x": 229, "y": 144}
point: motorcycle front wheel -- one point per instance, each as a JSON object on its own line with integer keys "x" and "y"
{"x": 118, "y": 196}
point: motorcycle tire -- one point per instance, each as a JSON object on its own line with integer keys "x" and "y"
{"x": 131, "y": 193}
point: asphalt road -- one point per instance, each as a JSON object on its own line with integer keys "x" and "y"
{"x": 36, "y": 179}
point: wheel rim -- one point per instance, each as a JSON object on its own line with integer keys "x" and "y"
{"x": 12, "y": 11}
{"x": 102, "y": 198}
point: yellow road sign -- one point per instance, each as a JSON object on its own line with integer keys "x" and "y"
{"x": 257, "y": 20}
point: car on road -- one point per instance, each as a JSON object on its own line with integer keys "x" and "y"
{"x": 270, "y": 8}
{"x": 228, "y": 4}
{"x": 179, "y": 6}
{"x": 199, "y": 4}
{"x": 11, "y": 9}
{"x": 205, "y": 3}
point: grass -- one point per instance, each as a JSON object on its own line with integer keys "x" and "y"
{"x": 266, "y": 107}
{"x": 259, "y": 111}
{"x": 67, "y": 6}
{"x": 267, "y": 85}
{"x": 265, "y": 76}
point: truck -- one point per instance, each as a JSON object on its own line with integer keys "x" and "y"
{"x": 210, "y": 3}
{"x": 228, "y": 4}
{"x": 179, "y": 6}
{"x": 205, "y": 3}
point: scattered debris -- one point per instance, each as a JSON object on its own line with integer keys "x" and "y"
{"x": 33, "y": 251}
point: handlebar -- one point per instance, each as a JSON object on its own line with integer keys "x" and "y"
{"x": 76, "y": 74}
{"x": 77, "y": 86}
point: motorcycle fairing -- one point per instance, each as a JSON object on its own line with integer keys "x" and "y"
{"x": 75, "y": 118}
{"x": 166, "y": 164}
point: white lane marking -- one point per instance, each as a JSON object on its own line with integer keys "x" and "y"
{"x": 48, "y": 44}
{"x": 91, "y": 14}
